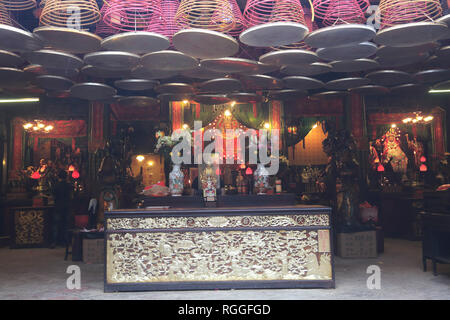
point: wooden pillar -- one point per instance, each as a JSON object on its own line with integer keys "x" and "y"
{"x": 438, "y": 132}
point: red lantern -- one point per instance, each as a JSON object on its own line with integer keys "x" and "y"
{"x": 423, "y": 159}
{"x": 423, "y": 168}
{"x": 75, "y": 174}
{"x": 380, "y": 168}
{"x": 35, "y": 175}
{"x": 249, "y": 171}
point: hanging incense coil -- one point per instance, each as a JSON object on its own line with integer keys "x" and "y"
{"x": 214, "y": 15}
{"x": 240, "y": 22}
{"x": 102, "y": 29}
{"x": 395, "y": 12}
{"x": 333, "y": 12}
{"x": 61, "y": 13}
{"x": 134, "y": 15}
{"x": 19, "y": 5}
{"x": 169, "y": 10}
{"x": 260, "y": 11}
{"x": 5, "y": 18}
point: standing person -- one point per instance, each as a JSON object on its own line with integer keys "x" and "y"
{"x": 62, "y": 194}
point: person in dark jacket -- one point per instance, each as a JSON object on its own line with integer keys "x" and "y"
{"x": 62, "y": 193}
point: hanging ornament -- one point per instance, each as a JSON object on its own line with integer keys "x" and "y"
{"x": 75, "y": 174}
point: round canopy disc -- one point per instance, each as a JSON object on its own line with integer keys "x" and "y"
{"x": 168, "y": 60}
{"x": 410, "y": 34}
{"x": 53, "y": 59}
{"x": 287, "y": 94}
{"x": 174, "y": 96}
{"x": 370, "y": 90}
{"x": 389, "y": 77}
{"x": 113, "y": 60}
{"x": 10, "y": 77}
{"x": 100, "y": 73}
{"x": 302, "y": 83}
{"x": 346, "y": 83}
{"x": 262, "y": 82}
{"x": 10, "y": 59}
{"x": 92, "y": 91}
{"x": 444, "y": 52}
{"x": 442, "y": 85}
{"x": 289, "y": 57}
{"x": 69, "y": 40}
{"x": 135, "y": 84}
{"x": 54, "y": 83}
{"x": 221, "y": 85}
{"x": 138, "y": 42}
{"x": 211, "y": 99}
{"x": 205, "y": 44}
{"x": 388, "y": 52}
{"x": 432, "y": 76}
{"x": 438, "y": 62}
{"x": 399, "y": 61}
{"x": 137, "y": 101}
{"x": 410, "y": 89}
{"x": 330, "y": 94}
{"x": 244, "y": 97}
{"x": 58, "y": 94}
{"x": 18, "y": 40}
{"x": 340, "y": 35}
{"x": 354, "y": 65}
{"x": 445, "y": 19}
{"x": 143, "y": 73}
{"x": 200, "y": 72}
{"x": 39, "y": 70}
{"x": 350, "y": 52}
{"x": 230, "y": 65}
{"x": 312, "y": 69}
{"x": 175, "y": 88}
{"x": 273, "y": 34}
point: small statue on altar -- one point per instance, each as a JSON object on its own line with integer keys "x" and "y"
{"x": 261, "y": 176}
{"x": 417, "y": 149}
{"x": 393, "y": 153}
{"x": 240, "y": 183}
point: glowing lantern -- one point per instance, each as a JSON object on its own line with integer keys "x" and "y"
{"x": 71, "y": 168}
{"x": 380, "y": 168}
{"x": 218, "y": 171}
{"x": 249, "y": 171}
{"x": 35, "y": 175}
{"x": 423, "y": 168}
{"x": 423, "y": 159}
{"x": 75, "y": 174}
{"x": 242, "y": 166}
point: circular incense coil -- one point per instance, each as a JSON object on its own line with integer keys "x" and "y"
{"x": 53, "y": 59}
{"x": 168, "y": 60}
{"x": 432, "y": 76}
{"x": 262, "y": 82}
{"x": 169, "y": 10}
{"x": 174, "y": 96}
{"x": 60, "y": 13}
{"x": 175, "y": 88}
{"x": 139, "y": 42}
{"x": 101, "y": 28}
{"x": 388, "y": 52}
{"x": 135, "y": 84}
{"x": 273, "y": 34}
{"x": 370, "y": 90}
{"x": 289, "y": 57}
{"x": 54, "y": 83}
{"x": 330, "y": 95}
{"x": 350, "y": 52}
{"x": 399, "y": 61}
{"x": 133, "y": 15}
{"x": 143, "y": 73}
{"x": 113, "y": 60}
{"x": 10, "y": 59}
{"x": 389, "y": 78}
{"x": 340, "y": 35}
{"x": 211, "y": 99}
{"x": 69, "y": 40}
{"x": 409, "y": 89}
{"x": 92, "y": 91}
{"x": 302, "y": 83}
{"x": 19, "y": 5}
{"x": 244, "y": 97}
{"x": 397, "y": 12}
{"x": 137, "y": 101}
{"x": 230, "y": 65}
{"x": 438, "y": 62}
{"x": 354, "y": 65}
{"x": 312, "y": 69}
{"x": 18, "y": 40}
{"x": 221, "y": 85}
{"x": 346, "y": 83}
{"x": 5, "y": 17}
{"x": 411, "y": 34}
{"x": 38, "y": 70}
{"x": 333, "y": 12}
{"x": 240, "y": 24}
{"x": 100, "y": 73}
{"x": 205, "y": 44}
{"x": 11, "y": 77}
{"x": 287, "y": 94}
{"x": 214, "y": 15}
{"x": 200, "y": 72}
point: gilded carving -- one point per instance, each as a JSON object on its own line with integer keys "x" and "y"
{"x": 216, "y": 256}
{"x": 29, "y": 227}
